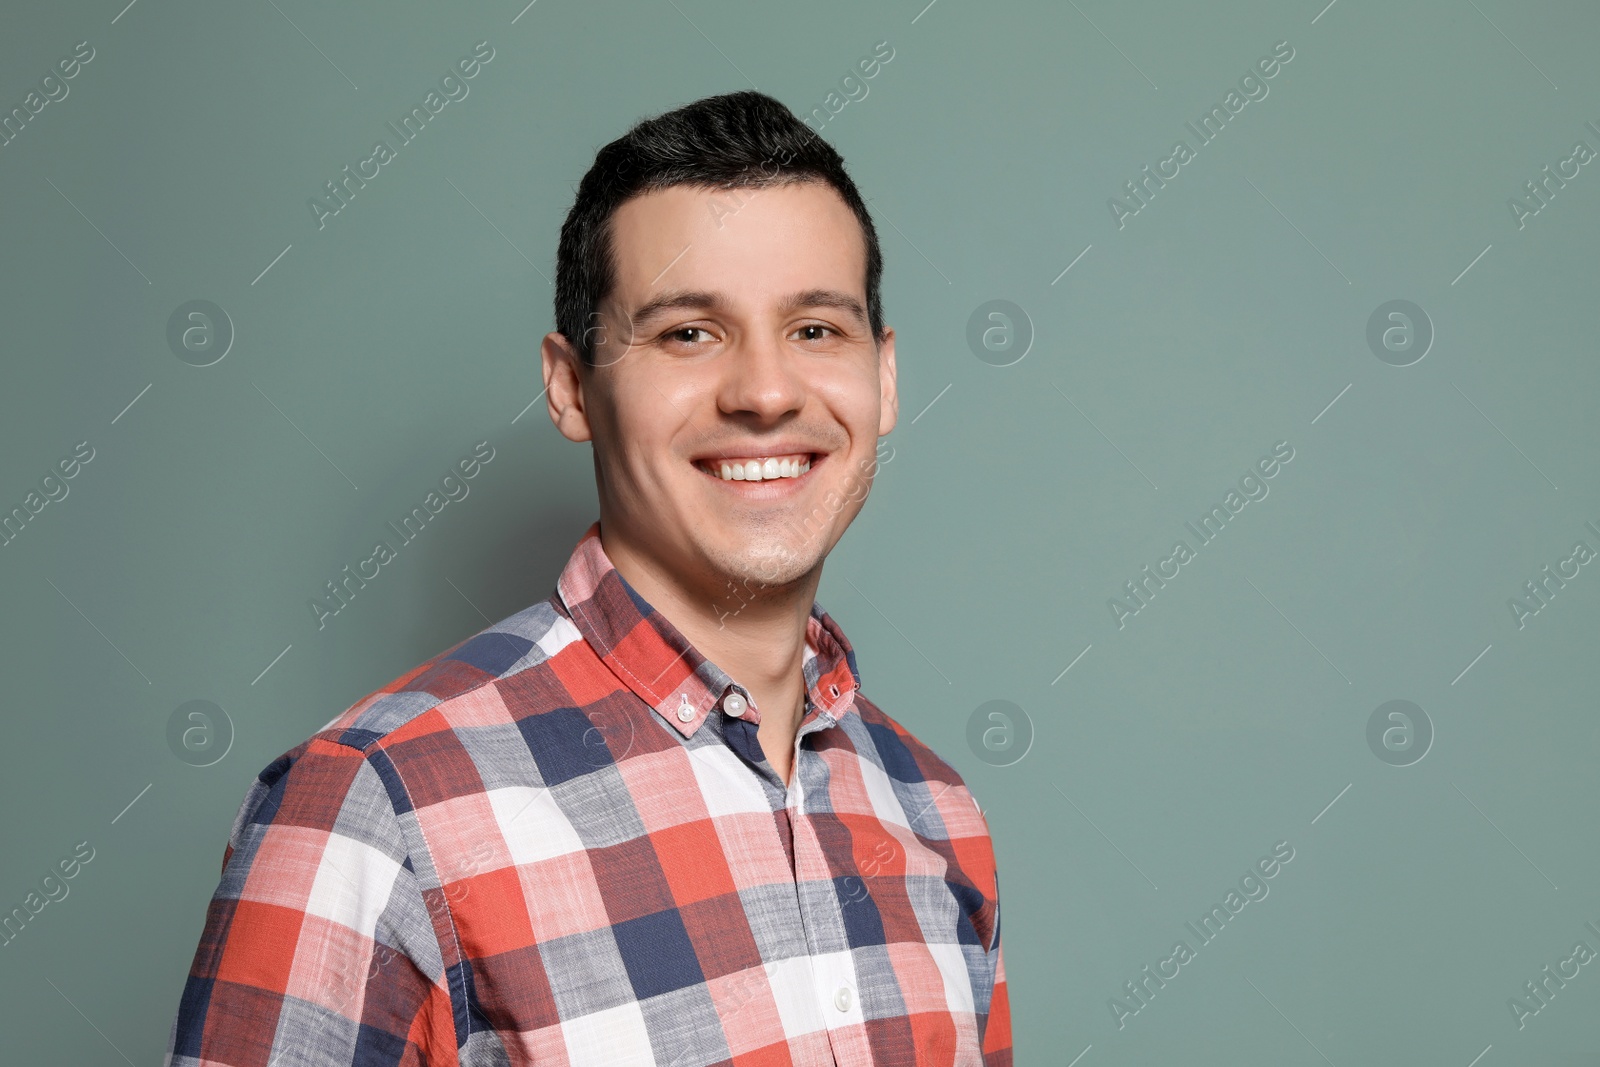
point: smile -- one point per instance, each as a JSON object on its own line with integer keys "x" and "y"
{"x": 757, "y": 468}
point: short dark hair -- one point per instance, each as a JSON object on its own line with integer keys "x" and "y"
{"x": 736, "y": 140}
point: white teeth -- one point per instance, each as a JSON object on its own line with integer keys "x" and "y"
{"x": 760, "y": 470}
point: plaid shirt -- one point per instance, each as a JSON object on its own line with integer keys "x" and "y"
{"x": 560, "y": 842}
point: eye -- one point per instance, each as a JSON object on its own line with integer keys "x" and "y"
{"x": 685, "y": 334}
{"x": 815, "y": 331}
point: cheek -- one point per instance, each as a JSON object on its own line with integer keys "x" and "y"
{"x": 651, "y": 422}
{"x": 854, "y": 402}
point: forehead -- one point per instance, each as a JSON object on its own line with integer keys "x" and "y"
{"x": 751, "y": 243}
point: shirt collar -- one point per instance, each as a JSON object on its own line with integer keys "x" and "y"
{"x": 651, "y": 657}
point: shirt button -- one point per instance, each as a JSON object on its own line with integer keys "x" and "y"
{"x": 685, "y": 711}
{"x": 841, "y": 999}
{"x": 734, "y": 705}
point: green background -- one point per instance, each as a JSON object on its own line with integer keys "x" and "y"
{"x": 1229, "y": 314}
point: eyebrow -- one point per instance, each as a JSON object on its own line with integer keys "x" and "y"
{"x": 675, "y": 299}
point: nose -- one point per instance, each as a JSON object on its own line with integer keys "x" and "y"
{"x": 761, "y": 381}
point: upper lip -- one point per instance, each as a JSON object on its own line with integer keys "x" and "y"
{"x": 759, "y": 450}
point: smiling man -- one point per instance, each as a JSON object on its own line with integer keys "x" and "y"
{"x": 652, "y": 819}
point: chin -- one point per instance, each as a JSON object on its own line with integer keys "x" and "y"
{"x": 765, "y": 560}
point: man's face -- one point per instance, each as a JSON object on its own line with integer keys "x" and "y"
{"x": 735, "y": 341}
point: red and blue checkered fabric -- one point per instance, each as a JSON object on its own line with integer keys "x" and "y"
{"x": 521, "y": 853}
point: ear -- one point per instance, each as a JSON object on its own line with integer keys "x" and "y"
{"x": 563, "y": 384}
{"x": 889, "y": 395}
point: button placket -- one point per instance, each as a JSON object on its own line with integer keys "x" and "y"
{"x": 834, "y": 977}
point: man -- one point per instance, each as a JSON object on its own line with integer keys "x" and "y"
{"x": 652, "y": 819}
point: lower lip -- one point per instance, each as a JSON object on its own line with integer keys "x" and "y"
{"x": 775, "y": 489}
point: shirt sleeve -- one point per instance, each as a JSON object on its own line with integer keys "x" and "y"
{"x": 319, "y": 947}
{"x": 997, "y": 1028}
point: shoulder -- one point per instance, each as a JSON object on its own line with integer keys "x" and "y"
{"x": 371, "y": 742}
{"x": 453, "y": 680}
{"x": 940, "y": 802}
{"x": 903, "y": 755}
